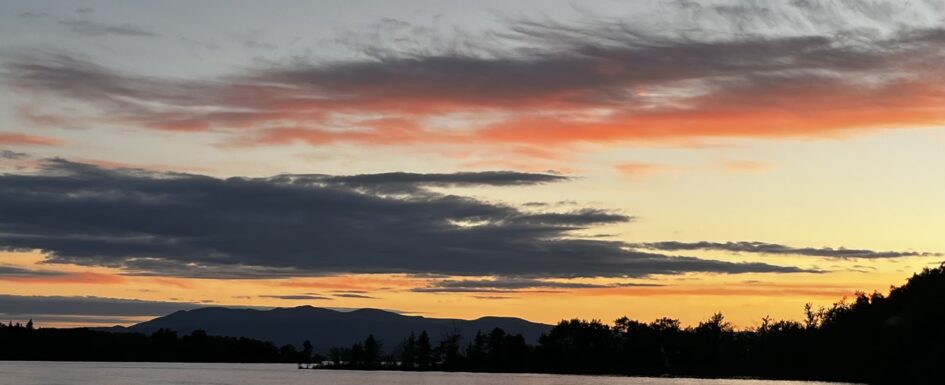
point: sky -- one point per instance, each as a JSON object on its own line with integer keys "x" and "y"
{"x": 538, "y": 159}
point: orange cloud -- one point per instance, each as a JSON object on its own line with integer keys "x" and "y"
{"x": 641, "y": 169}
{"x": 800, "y": 111}
{"x": 178, "y": 282}
{"x": 109, "y": 164}
{"x": 576, "y": 92}
{"x": 14, "y": 138}
{"x": 822, "y": 108}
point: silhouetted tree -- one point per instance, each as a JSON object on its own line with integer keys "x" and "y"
{"x": 289, "y": 350}
{"x": 356, "y": 355}
{"x": 448, "y": 351}
{"x": 424, "y": 351}
{"x": 338, "y": 355}
{"x": 578, "y": 346}
{"x": 476, "y": 352}
{"x": 305, "y": 357}
{"x": 811, "y": 318}
{"x": 49, "y": 344}
{"x": 408, "y": 352}
{"x": 372, "y": 351}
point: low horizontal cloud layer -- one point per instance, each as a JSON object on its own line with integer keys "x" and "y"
{"x": 296, "y": 297}
{"x": 7, "y": 154}
{"x": 88, "y": 306}
{"x": 772, "y": 248}
{"x": 354, "y": 295}
{"x": 500, "y": 285}
{"x": 18, "y": 139}
{"x": 514, "y": 284}
{"x": 92, "y": 28}
{"x": 19, "y": 272}
{"x": 192, "y": 225}
{"x": 542, "y": 82}
{"x": 405, "y": 182}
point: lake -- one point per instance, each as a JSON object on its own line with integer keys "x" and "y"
{"x": 150, "y": 373}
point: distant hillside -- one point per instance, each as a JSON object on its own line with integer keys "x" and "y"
{"x": 327, "y": 328}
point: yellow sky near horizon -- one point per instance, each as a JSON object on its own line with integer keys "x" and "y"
{"x": 743, "y": 298}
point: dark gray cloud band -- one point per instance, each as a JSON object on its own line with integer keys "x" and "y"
{"x": 193, "y": 225}
{"x": 776, "y": 249}
{"x": 7, "y": 154}
{"x": 514, "y": 284}
{"x": 354, "y": 295}
{"x": 297, "y": 297}
{"x": 405, "y": 182}
{"x": 18, "y": 272}
{"x": 500, "y": 285}
{"x": 88, "y": 306}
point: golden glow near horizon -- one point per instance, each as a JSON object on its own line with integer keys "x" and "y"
{"x": 743, "y": 298}
{"x": 772, "y": 131}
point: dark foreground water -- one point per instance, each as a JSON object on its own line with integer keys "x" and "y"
{"x": 146, "y": 373}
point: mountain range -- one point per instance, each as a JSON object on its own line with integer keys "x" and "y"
{"x": 327, "y": 328}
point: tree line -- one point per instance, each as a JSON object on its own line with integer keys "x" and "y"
{"x": 18, "y": 342}
{"x": 874, "y": 338}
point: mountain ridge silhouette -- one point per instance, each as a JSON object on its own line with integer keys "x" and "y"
{"x": 325, "y": 327}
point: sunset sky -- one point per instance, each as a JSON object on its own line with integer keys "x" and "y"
{"x": 539, "y": 159}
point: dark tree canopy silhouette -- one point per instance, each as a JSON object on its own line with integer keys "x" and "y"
{"x": 408, "y": 352}
{"x": 305, "y": 356}
{"x": 423, "y": 351}
{"x": 874, "y": 338}
{"x": 46, "y": 344}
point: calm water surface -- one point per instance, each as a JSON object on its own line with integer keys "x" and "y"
{"x": 146, "y": 373}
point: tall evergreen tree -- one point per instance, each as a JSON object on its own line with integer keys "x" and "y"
{"x": 372, "y": 351}
{"x": 408, "y": 352}
{"x": 476, "y": 352}
{"x": 305, "y": 356}
{"x": 424, "y": 351}
{"x": 448, "y": 350}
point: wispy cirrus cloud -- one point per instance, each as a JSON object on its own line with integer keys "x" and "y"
{"x": 542, "y": 83}
{"x": 93, "y": 28}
